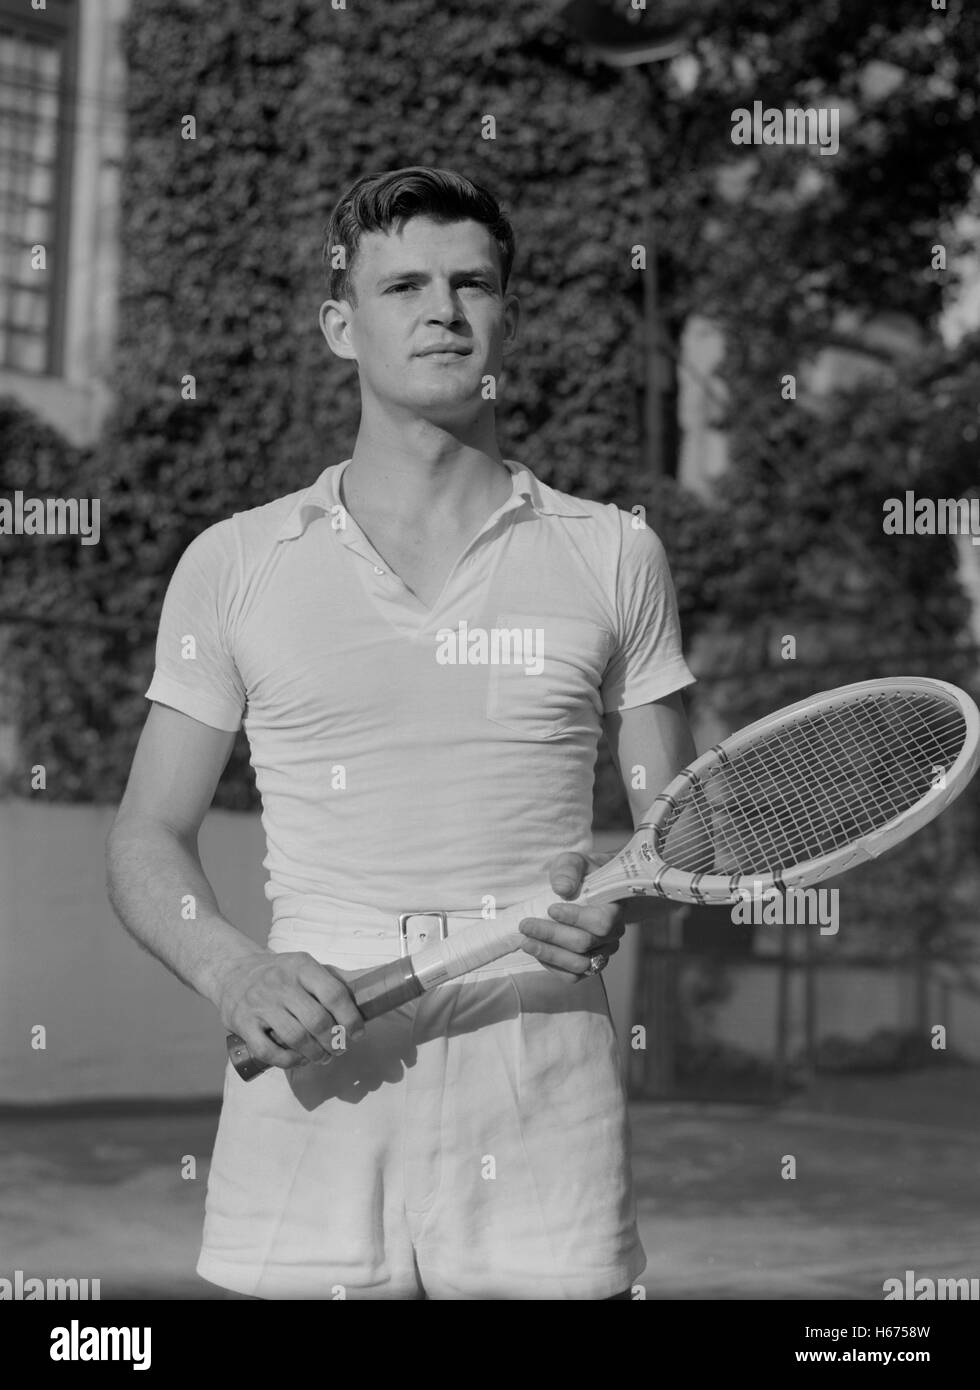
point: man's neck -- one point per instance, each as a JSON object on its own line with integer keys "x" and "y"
{"x": 425, "y": 479}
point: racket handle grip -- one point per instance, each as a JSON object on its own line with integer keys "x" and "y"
{"x": 375, "y": 992}
{"x": 385, "y": 987}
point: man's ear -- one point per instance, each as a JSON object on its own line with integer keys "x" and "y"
{"x": 335, "y": 325}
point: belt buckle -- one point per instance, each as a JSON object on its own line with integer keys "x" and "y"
{"x": 405, "y": 917}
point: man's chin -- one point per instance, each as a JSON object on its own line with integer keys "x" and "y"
{"x": 446, "y": 409}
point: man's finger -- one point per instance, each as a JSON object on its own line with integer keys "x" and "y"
{"x": 566, "y": 872}
{"x": 266, "y": 1046}
{"x": 320, "y": 1023}
{"x": 596, "y": 919}
{"x": 568, "y": 938}
{"x": 334, "y": 996}
{"x": 558, "y": 958}
{"x": 296, "y": 1037}
{"x": 541, "y": 930}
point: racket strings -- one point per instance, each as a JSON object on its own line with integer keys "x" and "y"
{"x": 813, "y": 786}
{"x": 927, "y": 748}
{"x": 856, "y": 797}
{"x": 873, "y": 783}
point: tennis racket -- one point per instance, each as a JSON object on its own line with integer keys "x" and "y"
{"x": 808, "y": 792}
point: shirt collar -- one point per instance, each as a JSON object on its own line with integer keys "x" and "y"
{"x": 324, "y": 495}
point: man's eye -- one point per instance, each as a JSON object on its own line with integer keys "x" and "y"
{"x": 411, "y": 285}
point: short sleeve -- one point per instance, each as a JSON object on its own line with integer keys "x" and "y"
{"x": 195, "y": 672}
{"x": 648, "y": 662}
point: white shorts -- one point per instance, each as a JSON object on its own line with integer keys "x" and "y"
{"x": 474, "y": 1144}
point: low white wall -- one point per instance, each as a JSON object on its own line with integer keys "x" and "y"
{"x": 117, "y": 1023}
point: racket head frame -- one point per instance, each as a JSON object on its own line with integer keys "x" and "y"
{"x": 640, "y": 870}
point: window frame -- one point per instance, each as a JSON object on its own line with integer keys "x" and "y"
{"x": 58, "y": 23}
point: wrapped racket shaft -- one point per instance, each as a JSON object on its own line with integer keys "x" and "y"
{"x": 797, "y": 797}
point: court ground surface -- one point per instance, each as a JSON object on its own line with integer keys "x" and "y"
{"x": 887, "y": 1179}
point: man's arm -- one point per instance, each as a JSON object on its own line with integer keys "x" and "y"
{"x": 153, "y": 863}
{"x": 652, "y": 735}
{"x": 655, "y": 737}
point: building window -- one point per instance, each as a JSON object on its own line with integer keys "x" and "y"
{"x": 37, "y": 82}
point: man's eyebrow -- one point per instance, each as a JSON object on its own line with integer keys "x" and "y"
{"x": 486, "y": 272}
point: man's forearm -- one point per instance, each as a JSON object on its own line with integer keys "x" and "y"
{"x": 163, "y": 898}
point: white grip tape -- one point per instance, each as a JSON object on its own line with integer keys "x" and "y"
{"x": 472, "y": 946}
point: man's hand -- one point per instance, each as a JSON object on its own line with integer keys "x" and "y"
{"x": 308, "y": 1009}
{"x": 570, "y": 935}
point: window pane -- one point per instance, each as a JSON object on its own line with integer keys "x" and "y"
{"x": 30, "y": 78}
{"x": 26, "y": 353}
{"x": 29, "y": 310}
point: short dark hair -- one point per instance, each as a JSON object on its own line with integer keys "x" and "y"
{"x": 376, "y": 202}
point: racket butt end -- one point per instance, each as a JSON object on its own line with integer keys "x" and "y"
{"x": 242, "y": 1060}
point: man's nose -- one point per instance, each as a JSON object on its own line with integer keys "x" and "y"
{"x": 442, "y": 304}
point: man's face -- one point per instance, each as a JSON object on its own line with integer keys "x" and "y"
{"x": 431, "y": 285}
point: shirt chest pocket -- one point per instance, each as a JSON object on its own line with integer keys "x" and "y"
{"x": 545, "y": 673}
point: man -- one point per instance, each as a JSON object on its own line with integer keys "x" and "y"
{"x": 471, "y": 1144}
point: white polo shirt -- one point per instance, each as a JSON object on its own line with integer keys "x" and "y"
{"x": 408, "y": 757}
